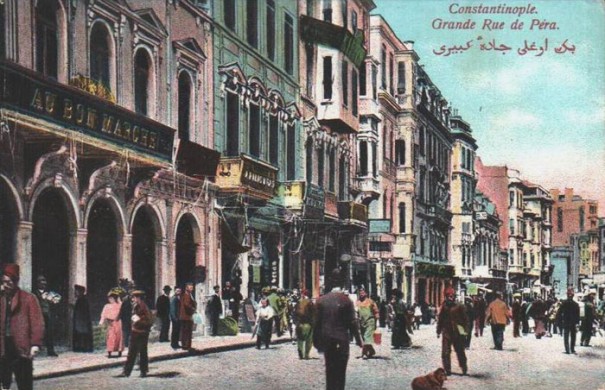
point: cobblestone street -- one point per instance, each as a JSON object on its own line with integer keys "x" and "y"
{"x": 525, "y": 363}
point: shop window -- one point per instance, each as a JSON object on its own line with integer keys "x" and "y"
{"x": 184, "y": 105}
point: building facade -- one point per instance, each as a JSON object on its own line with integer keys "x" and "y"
{"x": 105, "y": 152}
{"x": 334, "y": 36}
{"x": 423, "y": 181}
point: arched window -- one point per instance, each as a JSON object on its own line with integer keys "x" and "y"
{"x": 100, "y": 55}
{"x": 142, "y": 72}
{"x": 47, "y": 38}
{"x": 184, "y": 105}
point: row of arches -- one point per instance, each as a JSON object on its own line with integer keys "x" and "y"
{"x": 55, "y": 241}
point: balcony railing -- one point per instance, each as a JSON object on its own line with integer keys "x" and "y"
{"x": 353, "y": 211}
{"x": 244, "y": 174}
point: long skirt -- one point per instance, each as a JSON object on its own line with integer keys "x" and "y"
{"x": 114, "y": 337}
{"x": 400, "y": 337}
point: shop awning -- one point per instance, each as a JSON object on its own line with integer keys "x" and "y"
{"x": 195, "y": 160}
{"x": 230, "y": 242}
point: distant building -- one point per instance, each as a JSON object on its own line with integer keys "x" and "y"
{"x": 571, "y": 214}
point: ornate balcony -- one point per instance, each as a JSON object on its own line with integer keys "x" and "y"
{"x": 246, "y": 175}
{"x": 369, "y": 187}
{"x": 353, "y": 213}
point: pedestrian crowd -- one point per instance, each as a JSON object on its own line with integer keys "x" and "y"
{"x": 330, "y": 322}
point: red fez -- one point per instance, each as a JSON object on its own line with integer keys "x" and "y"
{"x": 304, "y": 292}
{"x": 450, "y": 291}
{"x": 12, "y": 271}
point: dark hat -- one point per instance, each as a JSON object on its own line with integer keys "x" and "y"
{"x": 12, "y": 271}
{"x": 217, "y": 287}
{"x": 79, "y": 287}
{"x": 138, "y": 293}
{"x": 167, "y": 288}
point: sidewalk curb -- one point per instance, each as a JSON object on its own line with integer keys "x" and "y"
{"x": 167, "y": 356}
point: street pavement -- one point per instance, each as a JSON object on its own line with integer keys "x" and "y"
{"x": 525, "y": 363}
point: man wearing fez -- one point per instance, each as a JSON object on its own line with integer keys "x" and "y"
{"x": 162, "y": 306}
{"x": 142, "y": 321}
{"x": 335, "y": 318}
{"x": 21, "y": 330}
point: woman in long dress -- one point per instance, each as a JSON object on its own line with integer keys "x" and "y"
{"x": 368, "y": 314}
{"x": 111, "y": 316}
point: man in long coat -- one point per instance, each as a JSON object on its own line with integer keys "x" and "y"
{"x": 142, "y": 320}
{"x": 82, "y": 322}
{"x": 186, "y": 311}
{"x": 162, "y": 306}
{"x": 175, "y": 307}
{"x": 453, "y": 324}
{"x": 498, "y": 316}
{"x": 335, "y": 318}
{"x": 569, "y": 317}
{"x": 215, "y": 309}
{"x": 21, "y": 330}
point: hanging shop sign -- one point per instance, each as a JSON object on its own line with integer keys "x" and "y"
{"x": 331, "y": 205}
{"x": 438, "y": 270}
{"x": 80, "y": 112}
{"x": 315, "y": 202}
{"x": 353, "y": 211}
{"x": 379, "y": 225}
{"x": 291, "y": 195}
{"x": 245, "y": 174}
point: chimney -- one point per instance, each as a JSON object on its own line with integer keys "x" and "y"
{"x": 568, "y": 194}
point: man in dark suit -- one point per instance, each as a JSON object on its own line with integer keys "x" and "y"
{"x": 335, "y": 318}
{"x": 162, "y": 306}
{"x": 569, "y": 317}
{"x": 187, "y": 308}
{"x": 175, "y": 306}
{"x": 47, "y": 305}
{"x": 142, "y": 321}
{"x": 215, "y": 308}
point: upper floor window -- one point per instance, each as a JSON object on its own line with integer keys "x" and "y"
{"x": 327, "y": 11}
{"x": 374, "y": 81}
{"x": 142, "y": 75}
{"x": 273, "y": 139}
{"x": 354, "y": 91}
{"x": 289, "y": 44}
{"x": 342, "y": 178}
{"x": 291, "y": 152}
{"x": 383, "y": 57}
{"x": 327, "y": 79}
{"x": 320, "y": 166}
{"x": 400, "y": 152}
{"x": 47, "y": 57}
{"x": 100, "y": 54}
{"x": 254, "y": 127}
{"x": 310, "y": 63}
{"x": 332, "y": 173}
{"x": 363, "y": 158}
{"x": 421, "y": 141}
{"x": 343, "y": 8}
{"x": 391, "y": 75}
{"x": 2, "y": 31}
{"x": 271, "y": 29}
{"x": 400, "y": 78}
{"x": 309, "y": 161}
{"x": 310, "y": 7}
{"x": 592, "y": 209}
{"x": 185, "y": 91}
{"x": 232, "y": 121}
{"x": 354, "y": 22}
{"x": 252, "y": 22}
{"x": 345, "y": 83}
{"x": 511, "y": 200}
{"x": 581, "y": 212}
{"x": 559, "y": 219}
{"x": 402, "y": 217}
{"x": 229, "y": 14}
{"x": 362, "y": 79}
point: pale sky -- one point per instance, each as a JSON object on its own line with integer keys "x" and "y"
{"x": 543, "y": 115}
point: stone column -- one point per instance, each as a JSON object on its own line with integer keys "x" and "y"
{"x": 77, "y": 260}
{"x": 162, "y": 266}
{"x": 125, "y": 257}
{"x": 23, "y": 253}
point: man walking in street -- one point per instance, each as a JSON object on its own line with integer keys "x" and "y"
{"x": 517, "y": 315}
{"x": 453, "y": 323}
{"x": 162, "y": 306}
{"x": 141, "y": 325}
{"x": 569, "y": 317}
{"x": 21, "y": 331}
{"x": 587, "y": 321}
{"x": 186, "y": 311}
{"x": 175, "y": 305}
{"x": 479, "y": 306}
{"x": 276, "y": 303}
{"x": 304, "y": 315}
{"x": 497, "y": 315}
{"x": 335, "y": 318}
